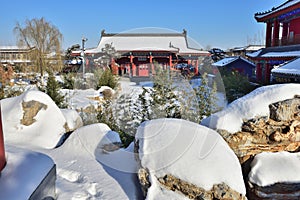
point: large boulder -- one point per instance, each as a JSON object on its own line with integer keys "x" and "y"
{"x": 180, "y": 159}
{"x": 34, "y": 119}
{"x": 278, "y": 132}
{"x": 250, "y": 106}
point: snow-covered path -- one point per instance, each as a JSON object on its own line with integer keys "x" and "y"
{"x": 82, "y": 175}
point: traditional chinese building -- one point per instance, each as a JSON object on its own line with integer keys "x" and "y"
{"x": 139, "y": 51}
{"x": 282, "y": 38}
{"x": 242, "y": 51}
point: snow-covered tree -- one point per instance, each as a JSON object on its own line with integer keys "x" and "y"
{"x": 52, "y": 89}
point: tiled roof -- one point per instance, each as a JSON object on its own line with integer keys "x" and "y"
{"x": 228, "y": 60}
{"x": 279, "y": 51}
{"x": 285, "y": 5}
{"x": 126, "y": 42}
{"x": 292, "y": 67}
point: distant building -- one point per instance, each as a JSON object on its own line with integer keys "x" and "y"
{"x": 139, "y": 51}
{"x": 242, "y": 51}
{"x": 282, "y": 38}
{"x": 15, "y": 56}
{"x": 237, "y": 63}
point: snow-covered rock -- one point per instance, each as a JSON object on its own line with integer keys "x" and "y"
{"x": 275, "y": 176}
{"x": 189, "y": 152}
{"x": 47, "y": 125}
{"x": 250, "y": 106}
{"x": 269, "y": 168}
{"x": 73, "y": 119}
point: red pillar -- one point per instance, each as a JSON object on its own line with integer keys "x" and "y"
{"x": 114, "y": 67}
{"x": 132, "y": 66}
{"x": 258, "y": 72}
{"x": 170, "y": 60}
{"x": 150, "y": 69}
{"x": 2, "y": 150}
{"x": 275, "y": 38}
{"x": 285, "y": 32}
{"x": 197, "y": 67}
{"x": 268, "y": 34}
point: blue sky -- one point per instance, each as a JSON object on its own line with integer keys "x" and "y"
{"x": 215, "y": 23}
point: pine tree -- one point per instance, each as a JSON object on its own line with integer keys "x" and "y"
{"x": 206, "y": 98}
{"x": 52, "y": 89}
{"x": 164, "y": 102}
{"x": 107, "y": 79}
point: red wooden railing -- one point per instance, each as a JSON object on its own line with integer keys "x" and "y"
{"x": 2, "y": 151}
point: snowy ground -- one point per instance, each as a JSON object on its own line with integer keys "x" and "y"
{"x": 85, "y": 169}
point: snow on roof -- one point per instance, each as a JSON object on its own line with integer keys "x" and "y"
{"x": 292, "y": 67}
{"x": 181, "y": 148}
{"x": 148, "y": 42}
{"x": 283, "y": 6}
{"x": 254, "y": 47}
{"x": 282, "y": 54}
{"x": 249, "y": 106}
{"x": 226, "y": 61}
{"x": 249, "y": 48}
{"x": 277, "y": 51}
{"x": 254, "y": 54}
{"x": 11, "y": 47}
{"x": 269, "y": 168}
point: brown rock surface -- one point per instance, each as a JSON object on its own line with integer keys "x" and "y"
{"x": 219, "y": 191}
{"x": 278, "y": 132}
{"x": 31, "y": 109}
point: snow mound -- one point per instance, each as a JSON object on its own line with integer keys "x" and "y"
{"x": 23, "y": 173}
{"x": 269, "y": 168}
{"x": 251, "y": 105}
{"x": 188, "y": 151}
{"x": 48, "y": 124}
{"x": 86, "y": 172}
{"x": 92, "y": 138}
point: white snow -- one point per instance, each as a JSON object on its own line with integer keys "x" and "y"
{"x": 292, "y": 67}
{"x": 228, "y": 60}
{"x": 188, "y": 151}
{"x": 81, "y": 99}
{"x": 85, "y": 171}
{"x": 282, "y": 54}
{"x": 191, "y": 152}
{"x": 251, "y": 105}
{"x": 126, "y": 43}
{"x": 269, "y": 168}
{"x": 45, "y": 132}
{"x": 73, "y": 119}
{"x": 23, "y": 172}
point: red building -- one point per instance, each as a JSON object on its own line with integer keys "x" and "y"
{"x": 139, "y": 51}
{"x": 282, "y": 38}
